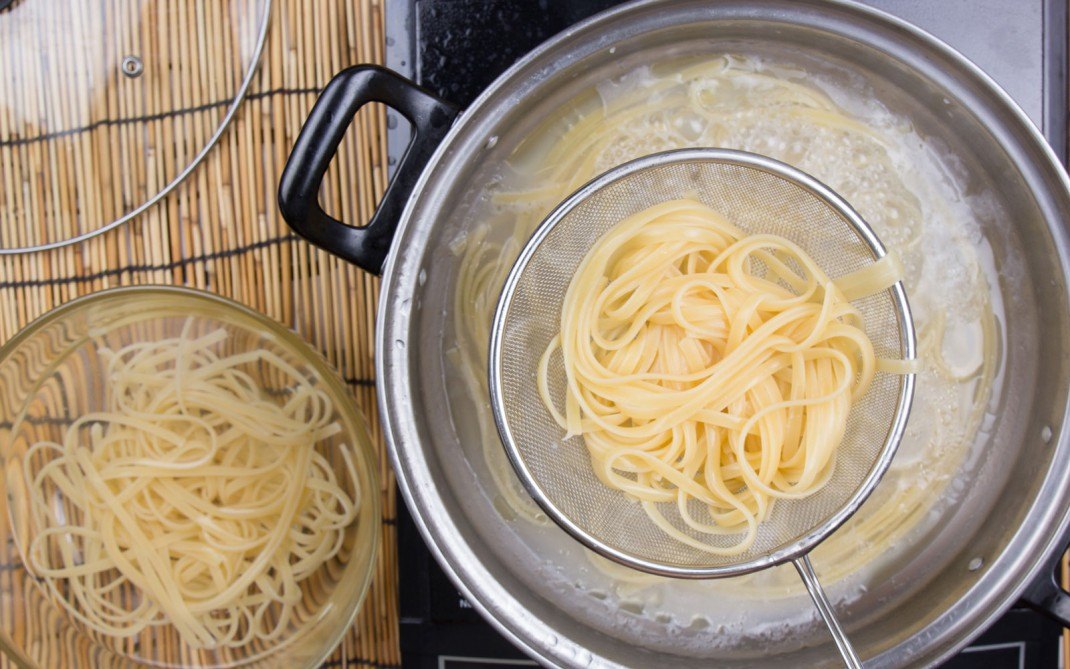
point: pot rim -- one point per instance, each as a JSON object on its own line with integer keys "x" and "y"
{"x": 441, "y": 533}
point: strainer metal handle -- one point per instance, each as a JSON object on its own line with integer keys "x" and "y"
{"x": 824, "y": 607}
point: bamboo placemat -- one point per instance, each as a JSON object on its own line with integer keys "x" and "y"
{"x": 221, "y": 231}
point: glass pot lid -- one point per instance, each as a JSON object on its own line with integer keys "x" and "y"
{"x": 107, "y": 105}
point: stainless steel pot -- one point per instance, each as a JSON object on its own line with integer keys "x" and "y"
{"x": 997, "y": 544}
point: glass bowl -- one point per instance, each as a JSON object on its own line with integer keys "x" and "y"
{"x": 55, "y": 371}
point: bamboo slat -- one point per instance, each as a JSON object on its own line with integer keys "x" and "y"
{"x": 219, "y": 231}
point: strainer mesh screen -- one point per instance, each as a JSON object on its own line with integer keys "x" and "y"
{"x": 758, "y": 202}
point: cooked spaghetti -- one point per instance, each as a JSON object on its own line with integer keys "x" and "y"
{"x": 707, "y": 365}
{"x": 195, "y": 488}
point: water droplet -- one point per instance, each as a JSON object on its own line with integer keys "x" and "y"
{"x": 612, "y": 50}
{"x": 391, "y": 121}
{"x": 1045, "y": 434}
{"x": 422, "y": 277}
{"x": 390, "y": 41}
{"x": 975, "y": 564}
{"x": 400, "y": 343}
{"x": 491, "y": 142}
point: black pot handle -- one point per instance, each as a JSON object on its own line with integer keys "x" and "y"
{"x": 1046, "y": 595}
{"x": 317, "y": 145}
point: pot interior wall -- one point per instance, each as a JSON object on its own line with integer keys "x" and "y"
{"x": 525, "y": 574}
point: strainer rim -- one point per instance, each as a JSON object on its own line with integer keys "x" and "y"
{"x": 908, "y": 343}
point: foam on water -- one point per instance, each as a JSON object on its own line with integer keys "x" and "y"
{"x": 913, "y": 195}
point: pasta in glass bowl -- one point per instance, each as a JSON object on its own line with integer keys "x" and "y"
{"x": 187, "y": 484}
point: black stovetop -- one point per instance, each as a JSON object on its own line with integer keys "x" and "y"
{"x": 458, "y": 47}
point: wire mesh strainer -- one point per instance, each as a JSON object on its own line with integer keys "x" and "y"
{"x": 760, "y": 195}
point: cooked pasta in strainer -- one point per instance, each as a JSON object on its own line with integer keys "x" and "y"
{"x": 707, "y": 365}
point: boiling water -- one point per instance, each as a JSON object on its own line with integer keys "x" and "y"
{"x": 910, "y": 192}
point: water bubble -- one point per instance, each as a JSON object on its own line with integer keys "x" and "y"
{"x": 975, "y": 564}
{"x": 1045, "y": 434}
{"x": 391, "y": 121}
{"x": 491, "y": 142}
